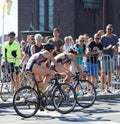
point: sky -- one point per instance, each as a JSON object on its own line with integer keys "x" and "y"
{"x": 10, "y": 21}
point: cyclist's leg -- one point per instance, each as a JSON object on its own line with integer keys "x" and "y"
{"x": 63, "y": 71}
{"x": 42, "y": 72}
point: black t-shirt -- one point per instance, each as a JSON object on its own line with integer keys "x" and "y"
{"x": 95, "y": 47}
{"x": 37, "y": 48}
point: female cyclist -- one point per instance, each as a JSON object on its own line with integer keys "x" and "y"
{"x": 64, "y": 60}
{"x": 36, "y": 65}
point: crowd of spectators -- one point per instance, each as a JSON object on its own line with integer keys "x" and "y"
{"x": 95, "y": 54}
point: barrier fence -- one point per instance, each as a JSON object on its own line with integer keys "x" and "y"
{"x": 90, "y": 64}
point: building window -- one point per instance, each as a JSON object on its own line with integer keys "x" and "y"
{"x": 41, "y": 15}
{"x": 51, "y": 15}
{"x": 46, "y": 15}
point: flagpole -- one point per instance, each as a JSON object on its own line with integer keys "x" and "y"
{"x": 3, "y": 16}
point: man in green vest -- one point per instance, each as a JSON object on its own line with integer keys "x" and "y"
{"x": 12, "y": 54}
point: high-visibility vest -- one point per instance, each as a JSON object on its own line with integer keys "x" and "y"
{"x": 11, "y": 53}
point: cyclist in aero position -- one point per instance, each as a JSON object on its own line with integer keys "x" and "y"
{"x": 64, "y": 60}
{"x": 36, "y": 65}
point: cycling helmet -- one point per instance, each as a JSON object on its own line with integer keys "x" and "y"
{"x": 73, "y": 50}
{"x": 48, "y": 46}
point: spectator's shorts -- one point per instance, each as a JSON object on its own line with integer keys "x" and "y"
{"x": 106, "y": 65}
{"x": 10, "y": 67}
{"x": 91, "y": 68}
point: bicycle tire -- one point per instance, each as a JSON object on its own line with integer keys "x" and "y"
{"x": 6, "y": 89}
{"x": 28, "y": 104}
{"x": 85, "y": 93}
{"x": 64, "y": 99}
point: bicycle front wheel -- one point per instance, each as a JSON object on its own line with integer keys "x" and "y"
{"x": 86, "y": 93}
{"x": 64, "y": 99}
{"x": 25, "y": 101}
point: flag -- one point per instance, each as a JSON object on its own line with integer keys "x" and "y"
{"x": 7, "y": 6}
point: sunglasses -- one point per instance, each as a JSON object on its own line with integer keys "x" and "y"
{"x": 81, "y": 40}
{"x": 32, "y": 39}
{"x": 109, "y": 29}
{"x": 97, "y": 38}
{"x": 39, "y": 39}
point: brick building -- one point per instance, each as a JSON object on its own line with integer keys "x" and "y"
{"x": 72, "y": 17}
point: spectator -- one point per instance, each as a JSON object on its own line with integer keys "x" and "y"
{"x": 30, "y": 42}
{"x": 57, "y": 41}
{"x": 38, "y": 44}
{"x": 86, "y": 38}
{"x": 22, "y": 46}
{"x": 68, "y": 43}
{"x": 101, "y": 32}
{"x": 94, "y": 50}
{"x": 81, "y": 50}
{"x": 12, "y": 54}
{"x": 118, "y": 62}
{"x": 87, "y": 41}
{"x": 109, "y": 41}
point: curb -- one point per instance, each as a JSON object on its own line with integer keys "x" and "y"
{"x": 6, "y": 104}
{"x": 108, "y": 96}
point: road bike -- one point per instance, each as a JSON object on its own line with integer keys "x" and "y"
{"x": 60, "y": 95}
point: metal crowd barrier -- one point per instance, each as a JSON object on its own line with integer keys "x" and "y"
{"x": 113, "y": 64}
{"x": 116, "y": 71}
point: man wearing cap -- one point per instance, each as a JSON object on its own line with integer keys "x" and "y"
{"x": 11, "y": 54}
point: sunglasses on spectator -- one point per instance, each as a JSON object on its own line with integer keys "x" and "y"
{"x": 109, "y": 28}
{"x": 39, "y": 39}
{"x": 23, "y": 43}
{"x": 32, "y": 38}
{"x": 81, "y": 40}
{"x": 97, "y": 38}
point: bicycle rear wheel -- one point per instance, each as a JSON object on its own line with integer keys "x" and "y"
{"x": 64, "y": 99}
{"x": 28, "y": 103}
{"x": 86, "y": 93}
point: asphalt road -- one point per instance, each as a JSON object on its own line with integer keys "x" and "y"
{"x": 102, "y": 112}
